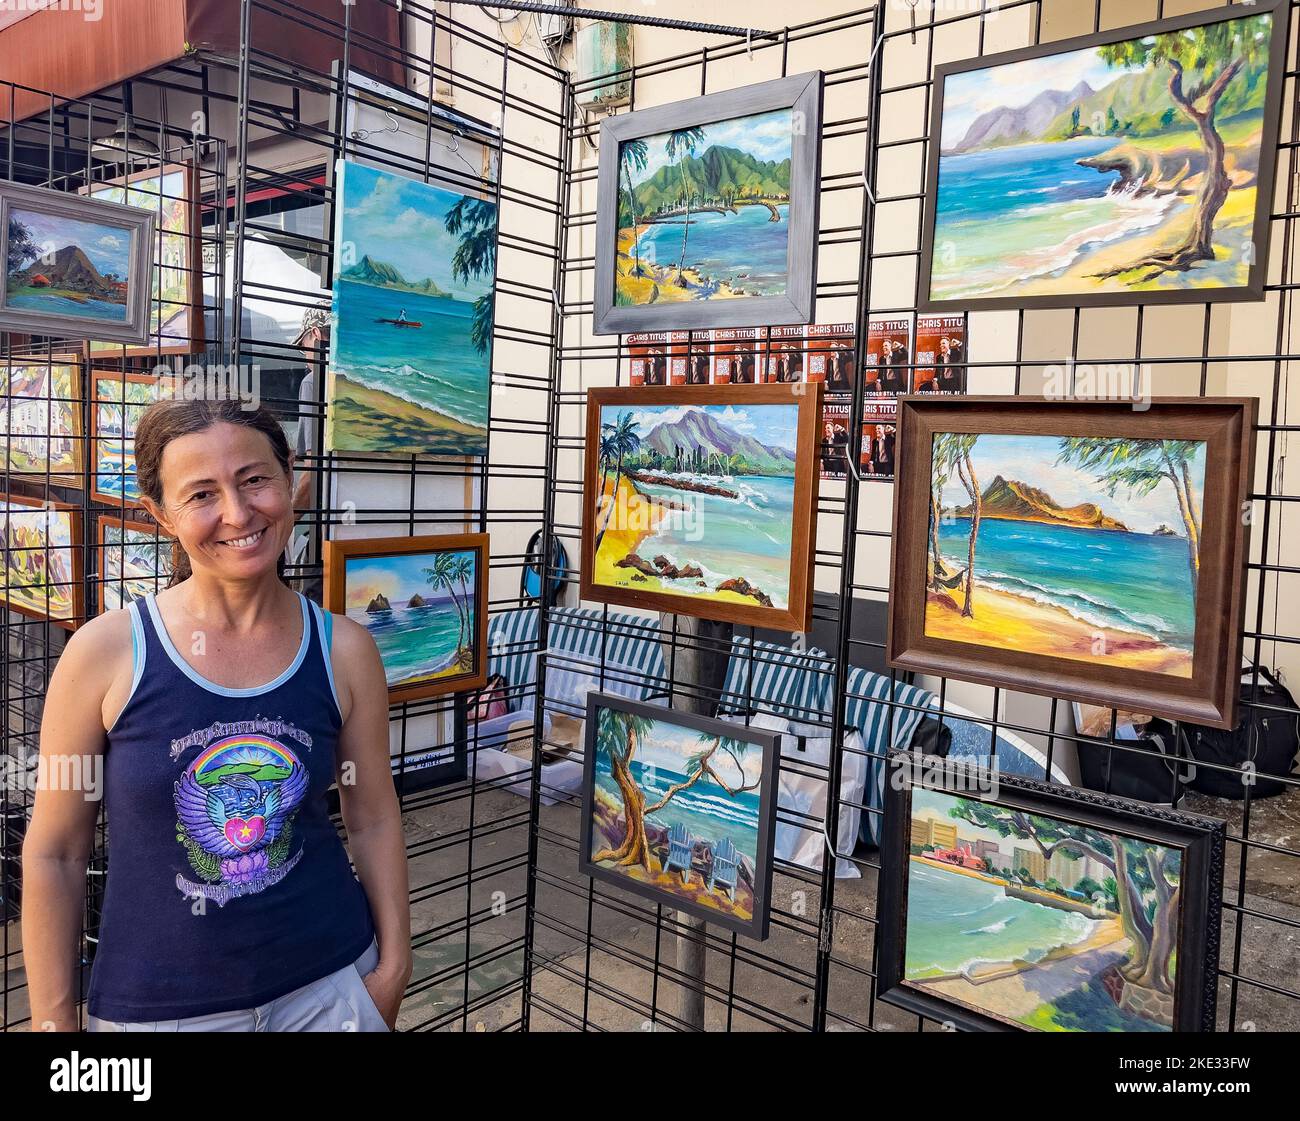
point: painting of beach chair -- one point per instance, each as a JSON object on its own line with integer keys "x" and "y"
{"x": 723, "y": 875}
{"x": 680, "y": 846}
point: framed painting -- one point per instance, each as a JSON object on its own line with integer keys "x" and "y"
{"x": 1009, "y": 905}
{"x": 680, "y": 809}
{"x": 135, "y": 558}
{"x": 707, "y": 210}
{"x": 1082, "y": 550}
{"x": 74, "y": 267}
{"x": 171, "y": 193}
{"x": 1132, "y": 166}
{"x": 117, "y": 401}
{"x": 40, "y": 419}
{"x": 702, "y": 500}
{"x": 424, "y": 602}
{"x": 42, "y": 560}
{"x": 411, "y": 343}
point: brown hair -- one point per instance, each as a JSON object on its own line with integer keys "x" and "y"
{"x": 164, "y": 421}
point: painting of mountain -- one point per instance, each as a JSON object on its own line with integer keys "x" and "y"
{"x": 67, "y": 266}
{"x": 1134, "y": 168}
{"x": 704, "y": 212}
{"x": 1070, "y": 547}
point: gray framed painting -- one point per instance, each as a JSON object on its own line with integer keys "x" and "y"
{"x": 706, "y": 211}
{"x": 1130, "y": 166}
{"x": 75, "y": 267}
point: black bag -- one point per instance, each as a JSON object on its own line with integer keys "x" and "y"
{"x": 1146, "y": 769}
{"x": 1264, "y": 742}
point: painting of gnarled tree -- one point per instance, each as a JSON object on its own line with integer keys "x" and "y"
{"x": 1122, "y": 166}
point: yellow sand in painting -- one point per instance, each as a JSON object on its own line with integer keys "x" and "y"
{"x": 1010, "y": 622}
{"x": 658, "y": 284}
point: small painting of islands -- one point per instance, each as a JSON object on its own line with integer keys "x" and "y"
{"x": 697, "y": 502}
{"x": 704, "y": 212}
{"x": 1085, "y": 548}
{"x": 411, "y": 346}
{"x": 1041, "y": 923}
{"x": 1132, "y": 167}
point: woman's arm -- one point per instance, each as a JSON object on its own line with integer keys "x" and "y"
{"x": 370, "y": 809}
{"x": 59, "y": 838}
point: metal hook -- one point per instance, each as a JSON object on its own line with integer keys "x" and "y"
{"x": 749, "y": 43}
{"x": 848, "y": 459}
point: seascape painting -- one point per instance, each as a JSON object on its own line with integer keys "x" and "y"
{"x": 1039, "y": 922}
{"x": 41, "y": 574}
{"x": 1085, "y": 548}
{"x": 1131, "y": 168}
{"x": 71, "y": 267}
{"x": 134, "y": 561}
{"x": 704, "y": 211}
{"x": 697, "y": 501}
{"x": 422, "y": 610}
{"x": 410, "y": 362}
{"x": 40, "y": 420}
{"x": 680, "y": 812}
{"x": 117, "y": 402}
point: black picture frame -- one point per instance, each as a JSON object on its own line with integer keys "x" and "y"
{"x": 802, "y": 94}
{"x": 1201, "y": 840}
{"x": 768, "y": 742}
{"x": 1253, "y": 290}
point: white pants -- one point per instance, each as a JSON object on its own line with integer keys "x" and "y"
{"x": 337, "y": 1002}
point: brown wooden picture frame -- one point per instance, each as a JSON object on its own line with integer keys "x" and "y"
{"x": 338, "y": 553}
{"x": 808, "y": 398}
{"x": 102, "y": 522}
{"x": 77, "y": 578}
{"x": 115, "y": 500}
{"x": 75, "y": 477}
{"x": 194, "y": 332}
{"x": 1209, "y": 695}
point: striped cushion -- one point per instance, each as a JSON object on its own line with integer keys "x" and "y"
{"x": 794, "y": 684}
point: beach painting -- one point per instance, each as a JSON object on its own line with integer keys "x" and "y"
{"x": 40, "y": 420}
{"x": 411, "y": 353}
{"x": 1041, "y": 922}
{"x": 679, "y": 809}
{"x": 134, "y": 560}
{"x": 42, "y": 569}
{"x": 1085, "y": 548}
{"x": 1125, "y": 167}
{"x": 423, "y": 600}
{"x": 117, "y": 403}
{"x": 701, "y": 504}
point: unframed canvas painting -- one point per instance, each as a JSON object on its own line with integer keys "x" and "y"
{"x": 1128, "y": 168}
{"x": 704, "y": 212}
{"x": 697, "y": 501}
{"x": 410, "y": 361}
{"x": 1071, "y": 547}
{"x": 1019, "y": 916}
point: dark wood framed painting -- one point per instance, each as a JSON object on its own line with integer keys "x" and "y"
{"x": 171, "y": 193}
{"x": 680, "y": 809}
{"x": 707, "y": 210}
{"x": 1091, "y": 551}
{"x": 74, "y": 267}
{"x": 424, "y": 602}
{"x": 40, "y": 419}
{"x": 135, "y": 559}
{"x": 1010, "y": 905}
{"x": 1132, "y": 166}
{"x": 43, "y": 565}
{"x": 702, "y": 500}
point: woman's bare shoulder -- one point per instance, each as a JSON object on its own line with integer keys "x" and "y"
{"x": 104, "y": 636}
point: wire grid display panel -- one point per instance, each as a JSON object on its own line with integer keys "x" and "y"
{"x": 1192, "y": 350}
{"x": 604, "y": 959}
{"x": 467, "y": 840}
{"x": 46, "y": 143}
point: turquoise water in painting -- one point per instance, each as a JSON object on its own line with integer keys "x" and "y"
{"x": 52, "y": 304}
{"x": 415, "y": 642}
{"x": 1129, "y": 581}
{"x": 956, "y": 921}
{"x": 435, "y": 366}
{"x": 1011, "y": 214}
{"x": 746, "y": 249}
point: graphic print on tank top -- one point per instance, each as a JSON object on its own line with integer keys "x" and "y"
{"x": 235, "y": 808}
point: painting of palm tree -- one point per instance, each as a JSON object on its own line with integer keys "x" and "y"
{"x": 1076, "y": 547}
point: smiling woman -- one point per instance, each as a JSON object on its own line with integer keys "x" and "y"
{"x": 262, "y": 700}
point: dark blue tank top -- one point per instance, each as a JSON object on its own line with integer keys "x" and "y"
{"x": 228, "y": 886}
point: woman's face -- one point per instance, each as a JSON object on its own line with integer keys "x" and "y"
{"x": 227, "y": 498}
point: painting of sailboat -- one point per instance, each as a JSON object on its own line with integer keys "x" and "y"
{"x": 1129, "y": 166}
{"x": 411, "y": 349}
{"x": 423, "y": 600}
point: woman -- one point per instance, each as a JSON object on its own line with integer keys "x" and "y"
{"x": 222, "y": 709}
